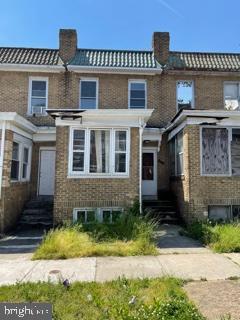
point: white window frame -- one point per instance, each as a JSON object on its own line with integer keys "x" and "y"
{"x": 23, "y": 143}
{"x": 193, "y": 92}
{"x": 230, "y": 82}
{"x": 130, "y": 81}
{"x": 97, "y": 89}
{"x": 98, "y": 213}
{"x": 229, "y": 174}
{"x": 86, "y": 173}
{"x": 31, "y": 79}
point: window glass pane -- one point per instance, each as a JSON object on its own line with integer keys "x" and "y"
{"x": 179, "y": 164}
{"x": 232, "y": 100}
{"x": 91, "y": 216}
{"x": 236, "y": 212}
{"x": 148, "y": 166}
{"x": 88, "y": 89}
{"x": 81, "y": 216}
{"x": 39, "y": 88}
{"x": 88, "y": 103}
{"x": 185, "y": 94}
{"x": 25, "y": 155}
{"x": 106, "y": 216}
{"x": 219, "y": 213}
{"x": 120, "y": 140}
{"x": 235, "y": 151}
{"x": 180, "y": 142}
{"x": 78, "y": 161}
{"x": 120, "y": 162}
{"x": 137, "y": 103}
{"x": 99, "y": 151}
{"x": 78, "y": 139}
{"x": 38, "y": 102}
{"x": 15, "y": 151}
{"x": 24, "y": 171}
{"x": 15, "y": 170}
{"x": 138, "y": 86}
{"x": 116, "y": 215}
{"x": 215, "y": 158}
{"x": 137, "y": 94}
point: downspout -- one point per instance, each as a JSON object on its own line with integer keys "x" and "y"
{"x": 141, "y": 127}
{"x": 2, "y": 155}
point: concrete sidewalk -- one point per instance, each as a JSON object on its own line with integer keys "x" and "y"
{"x": 209, "y": 266}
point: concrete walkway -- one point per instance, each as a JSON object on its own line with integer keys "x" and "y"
{"x": 207, "y": 266}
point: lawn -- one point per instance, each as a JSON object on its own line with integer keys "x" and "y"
{"x": 130, "y": 236}
{"x": 219, "y": 237}
{"x": 117, "y": 300}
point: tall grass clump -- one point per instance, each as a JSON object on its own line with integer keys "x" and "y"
{"x": 224, "y": 237}
{"x": 130, "y": 235}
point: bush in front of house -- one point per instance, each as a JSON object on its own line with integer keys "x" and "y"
{"x": 224, "y": 237}
{"x": 130, "y": 235}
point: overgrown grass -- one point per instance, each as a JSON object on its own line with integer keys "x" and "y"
{"x": 220, "y": 237}
{"x": 117, "y": 300}
{"x": 130, "y": 235}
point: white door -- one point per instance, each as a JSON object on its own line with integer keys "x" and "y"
{"x": 47, "y": 172}
{"x": 149, "y": 172}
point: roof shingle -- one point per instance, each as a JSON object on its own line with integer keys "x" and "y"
{"x": 30, "y": 56}
{"x": 203, "y": 61}
{"x": 114, "y": 58}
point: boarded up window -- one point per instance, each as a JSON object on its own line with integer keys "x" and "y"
{"x": 235, "y": 152}
{"x": 215, "y": 157}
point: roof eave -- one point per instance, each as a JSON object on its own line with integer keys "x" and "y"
{"x": 31, "y": 67}
{"x": 129, "y": 70}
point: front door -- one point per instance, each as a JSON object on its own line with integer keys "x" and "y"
{"x": 149, "y": 172}
{"x": 46, "y": 172}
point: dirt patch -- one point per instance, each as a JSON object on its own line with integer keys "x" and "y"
{"x": 216, "y": 299}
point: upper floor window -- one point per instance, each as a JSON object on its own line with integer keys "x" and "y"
{"x": 137, "y": 94}
{"x": 232, "y": 95}
{"x": 38, "y": 95}
{"x": 99, "y": 152}
{"x": 89, "y": 94}
{"x": 185, "y": 94}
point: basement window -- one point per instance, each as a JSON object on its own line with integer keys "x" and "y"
{"x": 219, "y": 213}
{"x": 92, "y": 215}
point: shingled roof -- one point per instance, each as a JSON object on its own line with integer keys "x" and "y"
{"x": 203, "y": 61}
{"x": 30, "y": 56}
{"x": 198, "y": 61}
{"x": 114, "y": 58}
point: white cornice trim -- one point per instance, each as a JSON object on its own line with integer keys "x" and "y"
{"x": 106, "y": 118}
{"x": 18, "y": 121}
{"x": 30, "y": 68}
{"x": 203, "y": 72}
{"x": 119, "y": 70}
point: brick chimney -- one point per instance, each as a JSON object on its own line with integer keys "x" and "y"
{"x": 160, "y": 45}
{"x": 67, "y": 44}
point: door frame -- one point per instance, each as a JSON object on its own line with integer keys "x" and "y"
{"x": 154, "y": 150}
{"x": 39, "y": 163}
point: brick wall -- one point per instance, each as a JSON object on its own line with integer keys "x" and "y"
{"x": 113, "y": 92}
{"x": 80, "y": 193}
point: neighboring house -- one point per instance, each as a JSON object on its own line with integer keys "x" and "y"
{"x": 98, "y": 129}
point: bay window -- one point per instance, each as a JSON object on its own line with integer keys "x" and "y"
{"x": 176, "y": 155}
{"x": 220, "y": 151}
{"x": 15, "y": 162}
{"x": 101, "y": 152}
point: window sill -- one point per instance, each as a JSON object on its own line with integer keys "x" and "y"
{"x": 75, "y": 176}
{"x": 20, "y": 181}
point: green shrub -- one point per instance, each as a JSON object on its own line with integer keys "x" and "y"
{"x": 220, "y": 237}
